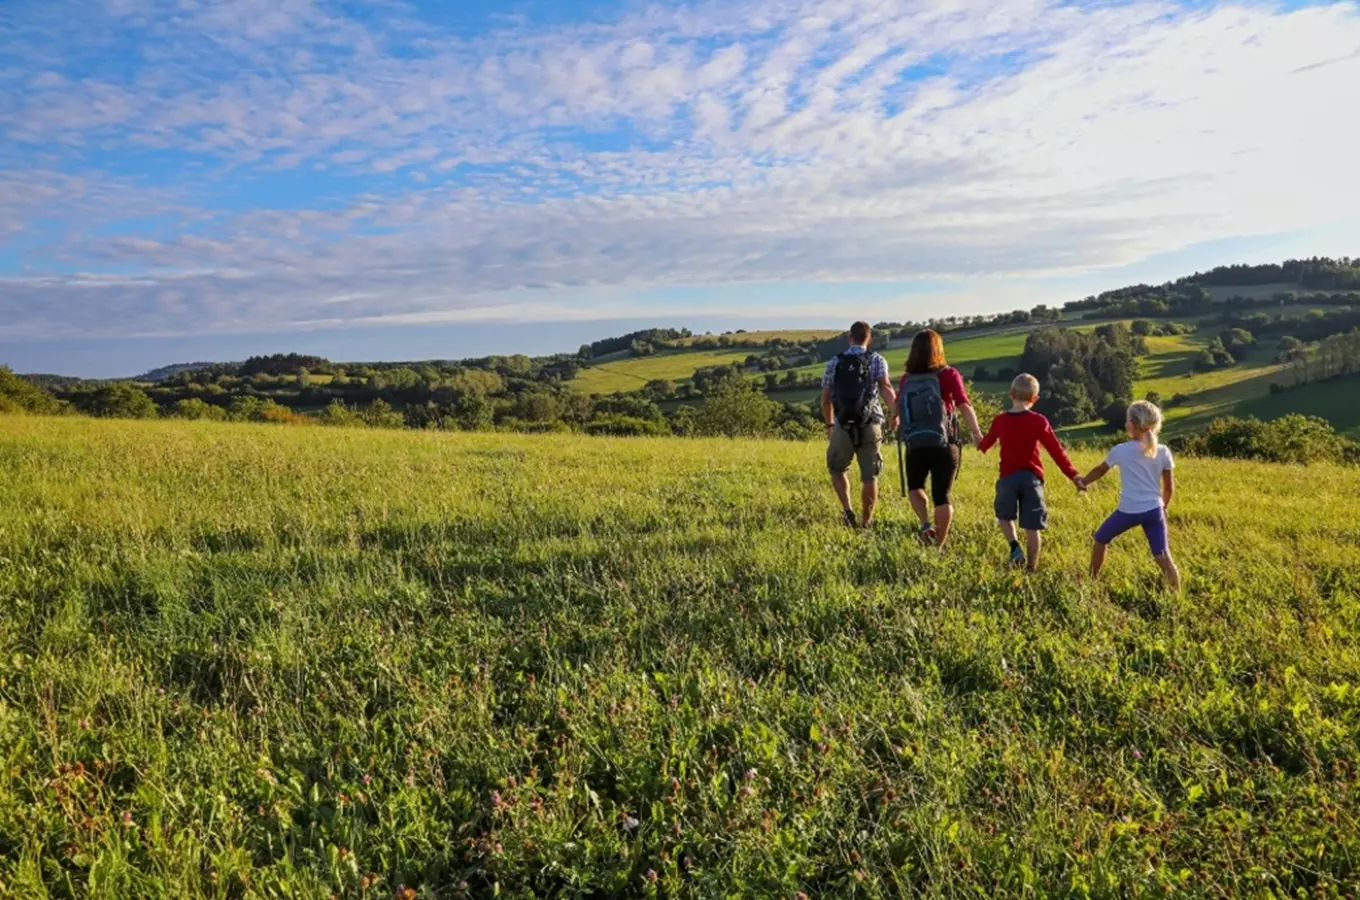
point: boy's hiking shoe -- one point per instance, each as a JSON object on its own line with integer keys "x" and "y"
{"x": 1017, "y": 556}
{"x": 928, "y": 536}
{"x": 848, "y": 517}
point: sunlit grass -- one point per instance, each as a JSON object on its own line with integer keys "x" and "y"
{"x": 275, "y": 662}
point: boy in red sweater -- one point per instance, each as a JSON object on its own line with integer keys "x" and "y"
{"x": 1020, "y": 490}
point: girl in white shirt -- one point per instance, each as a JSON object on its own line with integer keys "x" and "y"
{"x": 1147, "y": 485}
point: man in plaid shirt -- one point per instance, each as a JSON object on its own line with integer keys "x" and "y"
{"x": 863, "y": 442}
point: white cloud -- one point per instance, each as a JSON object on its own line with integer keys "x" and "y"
{"x": 710, "y": 144}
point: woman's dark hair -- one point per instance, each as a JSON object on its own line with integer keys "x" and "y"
{"x": 927, "y": 353}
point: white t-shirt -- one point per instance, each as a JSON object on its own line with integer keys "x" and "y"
{"x": 1140, "y": 475}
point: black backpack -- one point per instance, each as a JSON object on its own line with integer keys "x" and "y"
{"x": 923, "y": 420}
{"x": 853, "y": 390}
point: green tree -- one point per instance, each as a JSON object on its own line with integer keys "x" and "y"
{"x": 119, "y": 400}
{"x": 338, "y": 415}
{"x": 194, "y": 408}
{"x": 21, "y": 395}
{"x": 737, "y": 408}
{"x": 380, "y": 414}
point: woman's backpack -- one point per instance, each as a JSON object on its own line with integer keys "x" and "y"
{"x": 923, "y": 419}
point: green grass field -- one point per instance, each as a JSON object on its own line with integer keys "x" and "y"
{"x": 630, "y": 374}
{"x": 255, "y": 661}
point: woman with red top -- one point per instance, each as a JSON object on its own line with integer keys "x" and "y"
{"x": 939, "y": 463}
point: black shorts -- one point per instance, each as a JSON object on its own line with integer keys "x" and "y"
{"x": 940, "y": 463}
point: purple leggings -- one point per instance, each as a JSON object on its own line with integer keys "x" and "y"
{"x": 1154, "y": 528}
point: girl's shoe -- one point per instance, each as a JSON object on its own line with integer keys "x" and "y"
{"x": 848, "y": 517}
{"x": 1017, "y": 556}
{"x": 928, "y": 536}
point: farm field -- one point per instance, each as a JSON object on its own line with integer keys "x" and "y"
{"x": 629, "y": 374}
{"x": 261, "y": 661}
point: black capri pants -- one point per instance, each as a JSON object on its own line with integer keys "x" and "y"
{"x": 940, "y": 463}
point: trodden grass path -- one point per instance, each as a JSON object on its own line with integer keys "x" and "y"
{"x": 287, "y": 662}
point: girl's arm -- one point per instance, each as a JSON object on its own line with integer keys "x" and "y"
{"x": 1100, "y": 472}
{"x": 1168, "y": 488}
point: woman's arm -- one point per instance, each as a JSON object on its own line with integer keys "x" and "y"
{"x": 970, "y": 416}
{"x": 1168, "y": 487}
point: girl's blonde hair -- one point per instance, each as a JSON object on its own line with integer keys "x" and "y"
{"x": 1148, "y": 418}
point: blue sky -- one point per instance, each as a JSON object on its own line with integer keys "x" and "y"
{"x": 185, "y": 179}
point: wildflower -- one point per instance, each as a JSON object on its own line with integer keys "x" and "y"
{"x": 652, "y": 877}
{"x": 630, "y": 823}
{"x": 84, "y": 724}
{"x": 751, "y": 774}
{"x": 127, "y": 818}
{"x": 1137, "y": 754}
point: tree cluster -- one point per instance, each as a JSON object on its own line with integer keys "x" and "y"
{"x": 1082, "y": 376}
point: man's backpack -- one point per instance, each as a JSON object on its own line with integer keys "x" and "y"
{"x": 923, "y": 420}
{"x": 853, "y": 390}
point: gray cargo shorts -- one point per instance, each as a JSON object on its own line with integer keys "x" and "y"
{"x": 844, "y": 449}
{"x": 1020, "y": 495}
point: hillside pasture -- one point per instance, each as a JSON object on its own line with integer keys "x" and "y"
{"x": 255, "y": 661}
{"x": 630, "y": 374}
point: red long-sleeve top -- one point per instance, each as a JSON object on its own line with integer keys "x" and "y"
{"x": 1020, "y": 434}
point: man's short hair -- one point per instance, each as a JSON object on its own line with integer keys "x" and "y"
{"x": 1025, "y": 386}
{"x": 860, "y": 332}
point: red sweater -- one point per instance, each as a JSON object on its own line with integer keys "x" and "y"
{"x": 1020, "y": 435}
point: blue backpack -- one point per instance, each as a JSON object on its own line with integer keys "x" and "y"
{"x": 923, "y": 420}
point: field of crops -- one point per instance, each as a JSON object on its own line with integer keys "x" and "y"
{"x": 262, "y": 661}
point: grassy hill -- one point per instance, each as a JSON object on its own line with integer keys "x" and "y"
{"x": 1168, "y": 369}
{"x": 254, "y": 661}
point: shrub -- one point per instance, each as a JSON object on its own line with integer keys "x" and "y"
{"x": 625, "y": 426}
{"x": 1116, "y": 413}
{"x": 194, "y": 408}
{"x": 21, "y": 395}
{"x": 982, "y": 373}
{"x": 1178, "y": 400}
{"x": 338, "y": 415}
{"x": 118, "y": 401}
{"x": 1290, "y": 439}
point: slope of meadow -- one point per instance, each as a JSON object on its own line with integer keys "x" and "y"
{"x": 255, "y": 661}
{"x": 631, "y": 373}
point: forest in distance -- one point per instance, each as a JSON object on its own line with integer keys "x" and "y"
{"x": 1246, "y": 332}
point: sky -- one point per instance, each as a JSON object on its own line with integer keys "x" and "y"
{"x": 378, "y": 179}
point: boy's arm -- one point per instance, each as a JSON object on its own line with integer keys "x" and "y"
{"x": 1055, "y": 450}
{"x": 986, "y": 443}
{"x": 1168, "y": 487}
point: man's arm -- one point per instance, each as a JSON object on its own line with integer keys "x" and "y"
{"x": 1168, "y": 487}
{"x": 885, "y": 389}
{"x": 828, "y": 414}
{"x": 1055, "y": 450}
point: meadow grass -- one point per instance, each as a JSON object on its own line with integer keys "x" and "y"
{"x": 631, "y": 373}
{"x": 261, "y": 661}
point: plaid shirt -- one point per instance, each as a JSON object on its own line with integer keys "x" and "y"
{"x": 878, "y": 367}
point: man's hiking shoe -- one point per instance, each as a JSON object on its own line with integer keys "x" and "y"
{"x": 928, "y": 536}
{"x": 1017, "y": 556}
{"x": 848, "y": 517}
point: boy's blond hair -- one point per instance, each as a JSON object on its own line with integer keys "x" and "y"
{"x": 1025, "y": 387}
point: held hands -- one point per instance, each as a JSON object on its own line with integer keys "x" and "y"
{"x": 1080, "y": 483}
